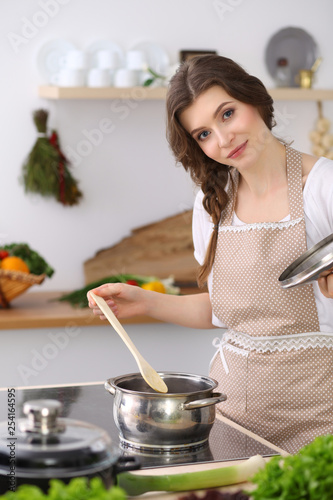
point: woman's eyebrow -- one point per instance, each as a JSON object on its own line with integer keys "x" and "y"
{"x": 220, "y": 107}
{"x": 216, "y": 112}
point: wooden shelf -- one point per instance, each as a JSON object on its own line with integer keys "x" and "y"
{"x": 136, "y": 93}
{"x": 297, "y": 94}
{"x": 159, "y": 93}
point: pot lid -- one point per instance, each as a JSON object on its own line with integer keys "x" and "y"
{"x": 310, "y": 265}
{"x": 48, "y": 446}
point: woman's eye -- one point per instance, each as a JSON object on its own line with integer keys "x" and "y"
{"x": 227, "y": 114}
{"x": 203, "y": 135}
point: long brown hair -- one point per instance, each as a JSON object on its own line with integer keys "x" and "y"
{"x": 192, "y": 78}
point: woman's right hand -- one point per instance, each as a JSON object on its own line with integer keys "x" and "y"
{"x": 125, "y": 300}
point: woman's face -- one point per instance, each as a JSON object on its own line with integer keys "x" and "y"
{"x": 228, "y": 131}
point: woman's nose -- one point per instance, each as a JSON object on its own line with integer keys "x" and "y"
{"x": 223, "y": 139}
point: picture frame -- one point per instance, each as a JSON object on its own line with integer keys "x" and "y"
{"x": 185, "y": 55}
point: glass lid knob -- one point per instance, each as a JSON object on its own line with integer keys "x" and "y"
{"x": 42, "y": 417}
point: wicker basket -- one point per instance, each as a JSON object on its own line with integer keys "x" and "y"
{"x": 13, "y": 283}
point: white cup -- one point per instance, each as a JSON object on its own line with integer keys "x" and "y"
{"x": 98, "y": 77}
{"x": 107, "y": 59}
{"x": 136, "y": 59}
{"x": 74, "y": 59}
{"x": 125, "y": 77}
{"x": 68, "y": 77}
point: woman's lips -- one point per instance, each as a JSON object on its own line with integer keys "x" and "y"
{"x": 237, "y": 151}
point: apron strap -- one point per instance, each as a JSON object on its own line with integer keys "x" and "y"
{"x": 295, "y": 188}
{"x": 295, "y": 183}
{"x": 232, "y": 186}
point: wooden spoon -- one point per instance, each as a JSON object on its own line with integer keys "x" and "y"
{"x": 148, "y": 373}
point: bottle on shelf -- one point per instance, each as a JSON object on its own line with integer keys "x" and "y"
{"x": 283, "y": 73}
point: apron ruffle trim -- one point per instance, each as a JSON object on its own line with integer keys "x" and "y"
{"x": 279, "y": 343}
{"x": 261, "y": 225}
{"x": 243, "y": 344}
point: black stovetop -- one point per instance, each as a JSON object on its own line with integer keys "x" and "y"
{"x": 92, "y": 403}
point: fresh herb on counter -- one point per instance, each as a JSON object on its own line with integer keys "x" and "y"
{"x": 77, "y": 489}
{"x": 78, "y": 298}
{"x": 305, "y": 475}
{"x": 35, "y": 262}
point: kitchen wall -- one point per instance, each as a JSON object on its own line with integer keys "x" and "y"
{"x": 130, "y": 178}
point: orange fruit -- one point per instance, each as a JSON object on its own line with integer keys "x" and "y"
{"x": 12, "y": 263}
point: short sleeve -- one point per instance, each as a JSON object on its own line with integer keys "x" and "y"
{"x": 202, "y": 227}
{"x": 318, "y": 201}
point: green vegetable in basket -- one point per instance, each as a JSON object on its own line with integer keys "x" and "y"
{"x": 306, "y": 475}
{"x": 35, "y": 262}
{"x": 77, "y": 489}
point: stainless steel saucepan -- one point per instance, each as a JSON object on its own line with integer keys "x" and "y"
{"x": 178, "y": 419}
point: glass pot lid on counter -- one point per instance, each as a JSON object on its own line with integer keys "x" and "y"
{"x": 46, "y": 446}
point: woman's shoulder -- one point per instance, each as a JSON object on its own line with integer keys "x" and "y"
{"x": 316, "y": 167}
{"x": 318, "y": 199}
{"x": 201, "y": 228}
{"x": 199, "y": 197}
{"x": 199, "y": 212}
{"x": 308, "y": 162}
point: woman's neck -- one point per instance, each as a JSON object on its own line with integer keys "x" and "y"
{"x": 268, "y": 173}
{"x": 262, "y": 194}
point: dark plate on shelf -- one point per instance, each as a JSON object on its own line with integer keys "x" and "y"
{"x": 295, "y": 45}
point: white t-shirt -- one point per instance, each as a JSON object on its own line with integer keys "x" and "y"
{"x": 318, "y": 212}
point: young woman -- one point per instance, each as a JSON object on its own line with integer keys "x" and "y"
{"x": 261, "y": 204}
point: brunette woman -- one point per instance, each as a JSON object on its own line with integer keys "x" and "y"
{"x": 260, "y": 205}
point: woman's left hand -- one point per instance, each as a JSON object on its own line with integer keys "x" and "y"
{"x": 325, "y": 283}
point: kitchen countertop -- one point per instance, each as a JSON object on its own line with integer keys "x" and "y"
{"x": 90, "y": 402}
{"x": 41, "y": 310}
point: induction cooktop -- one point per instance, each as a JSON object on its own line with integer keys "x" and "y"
{"x": 92, "y": 403}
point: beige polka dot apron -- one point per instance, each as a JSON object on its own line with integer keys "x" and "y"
{"x": 273, "y": 363}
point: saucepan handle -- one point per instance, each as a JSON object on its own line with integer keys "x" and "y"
{"x": 125, "y": 464}
{"x": 217, "y": 397}
{"x": 109, "y": 387}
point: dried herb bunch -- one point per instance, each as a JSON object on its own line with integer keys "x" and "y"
{"x": 46, "y": 169}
